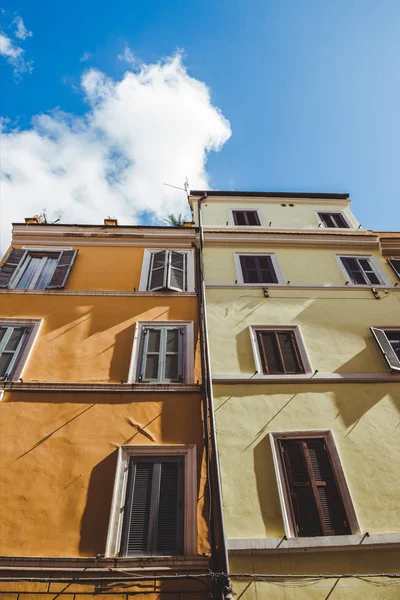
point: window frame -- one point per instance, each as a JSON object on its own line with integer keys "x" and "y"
{"x": 24, "y": 352}
{"x": 393, "y": 368}
{"x": 19, "y": 271}
{"x": 338, "y": 474}
{"x": 393, "y": 267}
{"x": 300, "y": 346}
{"x": 188, "y": 451}
{"x": 333, "y": 212}
{"x": 376, "y": 268}
{"x": 188, "y": 351}
{"x": 231, "y": 219}
{"x": 275, "y": 264}
{"x": 144, "y": 275}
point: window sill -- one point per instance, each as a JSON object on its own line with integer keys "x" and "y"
{"x": 119, "y": 388}
{"x": 63, "y": 292}
{"x": 336, "y": 543}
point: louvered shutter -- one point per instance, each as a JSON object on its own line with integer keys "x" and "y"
{"x": 153, "y": 513}
{"x": 315, "y": 498}
{"x": 62, "y": 270}
{"x": 177, "y": 271}
{"x": 395, "y": 264}
{"x": 169, "y": 539}
{"x": 303, "y": 502}
{"x": 386, "y": 349}
{"x": 158, "y": 271}
{"x": 14, "y": 258}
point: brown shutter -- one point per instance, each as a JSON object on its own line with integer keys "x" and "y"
{"x": 63, "y": 268}
{"x": 15, "y": 256}
{"x": 395, "y": 264}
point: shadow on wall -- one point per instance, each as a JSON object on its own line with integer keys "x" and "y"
{"x": 95, "y": 519}
{"x": 267, "y": 489}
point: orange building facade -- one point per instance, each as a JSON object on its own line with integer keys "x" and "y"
{"x": 104, "y": 470}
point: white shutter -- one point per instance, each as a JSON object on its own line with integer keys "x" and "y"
{"x": 177, "y": 271}
{"x": 386, "y": 349}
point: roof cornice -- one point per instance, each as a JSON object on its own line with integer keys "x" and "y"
{"x": 220, "y": 193}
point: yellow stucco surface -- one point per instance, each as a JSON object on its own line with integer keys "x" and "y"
{"x": 298, "y": 265}
{"x": 58, "y": 454}
{"x": 90, "y": 338}
{"x": 334, "y": 326}
{"x": 300, "y": 216}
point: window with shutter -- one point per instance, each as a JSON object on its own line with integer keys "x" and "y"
{"x": 16, "y": 337}
{"x": 153, "y": 512}
{"x": 258, "y": 269}
{"x": 168, "y": 270}
{"x": 333, "y": 219}
{"x": 316, "y": 496}
{"x": 162, "y": 353}
{"x": 395, "y": 264}
{"x": 279, "y": 352}
{"x": 246, "y": 217}
{"x": 388, "y": 341}
{"x": 36, "y": 269}
{"x": 361, "y": 270}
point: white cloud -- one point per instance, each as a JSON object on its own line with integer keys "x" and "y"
{"x": 13, "y": 53}
{"x": 21, "y": 31}
{"x": 85, "y": 57}
{"x": 128, "y": 57}
{"x": 155, "y": 126}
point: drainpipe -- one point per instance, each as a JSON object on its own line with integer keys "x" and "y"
{"x": 223, "y": 567}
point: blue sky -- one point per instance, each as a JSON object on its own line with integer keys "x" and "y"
{"x": 310, "y": 88}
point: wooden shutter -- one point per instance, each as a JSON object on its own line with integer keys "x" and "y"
{"x": 12, "y": 342}
{"x": 315, "y": 502}
{"x": 177, "y": 271}
{"x": 258, "y": 269}
{"x": 395, "y": 264}
{"x": 158, "y": 271}
{"x": 14, "y": 258}
{"x": 153, "y": 513}
{"x": 386, "y": 348}
{"x": 62, "y": 270}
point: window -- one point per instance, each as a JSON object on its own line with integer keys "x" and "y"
{"x": 154, "y": 503}
{"x": 258, "y": 269}
{"x": 314, "y": 494}
{"x": 279, "y": 351}
{"x": 333, "y": 219}
{"x": 16, "y": 339}
{"x": 395, "y": 264}
{"x": 163, "y": 353}
{"x": 246, "y": 217}
{"x": 362, "y": 270}
{"x": 36, "y": 268}
{"x": 388, "y": 340}
{"x": 165, "y": 270}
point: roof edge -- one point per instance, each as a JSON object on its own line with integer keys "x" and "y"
{"x": 323, "y": 196}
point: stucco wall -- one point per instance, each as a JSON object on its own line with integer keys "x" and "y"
{"x": 298, "y": 265}
{"x": 216, "y": 213}
{"x": 335, "y": 326}
{"x": 59, "y": 452}
{"x": 90, "y": 338}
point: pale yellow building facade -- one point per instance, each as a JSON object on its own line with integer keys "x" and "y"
{"x": 303, "y": 321}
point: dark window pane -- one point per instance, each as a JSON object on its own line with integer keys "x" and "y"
{"x": 171, "y": 367}
{"x": 151, "y": 371}
{"x": 172, "y": 340}
{"x": 2, "y": 332}
{"x": 15, "y": 338}
{"x": 46, "y": 273}
{"x": 354, "y": 270}
{"x": 138, "y": 521}
{"x": 394, "y": 340}
{"x": 340, "y": 221}
{"x": 154, "y": 340}
{"x": 288, "y": 350}
{"x": 5, "y": 360}
{"x": 252, "y": 218}
{"x": 239, "y": 217}
{"x": 169, "y": 512}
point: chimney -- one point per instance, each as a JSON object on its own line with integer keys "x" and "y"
{"x": 109, "y": 222}
{"x": 35, "y": 219}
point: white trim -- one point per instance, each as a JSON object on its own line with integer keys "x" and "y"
{"x": 46, "y": 248}
{"x": 231, "y": 220}
{"x": 239, "y": 272}
{"x": 328, "y": 543}
{"x": 335, "y": 212}
{"x": 111, "y": 388}
{"x": 63, "y": 292}
{"x": 301, "y": 286}
{"x": 376, "y": 267}
{"x": 272, "y": 200}
{"x": 300, "y": 344}
{"x": 188, "y": 352}
{"x": 190, "y": 493}
{"x": 24, "y": 356}
{"x": 146, "y": 265}
{"x": 229, "y": 378}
